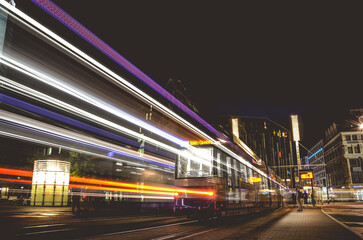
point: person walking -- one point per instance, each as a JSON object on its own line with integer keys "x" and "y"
{"x": 76, "y": 208}
{"x": 299, "y": 199}
{"x": 305, "y": 196}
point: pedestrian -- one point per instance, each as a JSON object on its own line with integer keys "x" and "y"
{"x": 305, "y": 196}
{"x": 76, "y": 204}
{"x": 313, "y": 199}
{"x": 299, "y": 199}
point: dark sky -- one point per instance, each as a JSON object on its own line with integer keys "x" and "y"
{"x": 253, "y": 59}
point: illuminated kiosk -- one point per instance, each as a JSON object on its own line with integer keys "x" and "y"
{"x": 50, "y": 183}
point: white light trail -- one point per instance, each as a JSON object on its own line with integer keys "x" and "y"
{"x": 119, "y": 81}
{"x": 77, "y": 93}
{"x": 36, "y": 95}
{"x": 67, "y": 135}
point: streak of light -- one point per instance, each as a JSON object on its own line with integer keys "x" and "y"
{"x": 90, "y": 194}
{"x": 118, "y": 78}
{"x": 78, "y": 138}
{"x": 120, "y": 189}
{"x": 83, "y": 32}
{"x": 16, "y": 180}
{"x": 95, "y": 66}
{"x": 37, "y": 141}
{"x": 15, "y": 172}
{"x": 60, "y": 42}
{"x": 138, "y": 187}
{"x": 36, "y": 95}
{"x": 77, "y": 93}
{"x": 197, "y": 154}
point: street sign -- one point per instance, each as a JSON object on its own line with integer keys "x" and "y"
{"x": 307, "y": 175}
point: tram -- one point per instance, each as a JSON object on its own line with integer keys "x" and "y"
{"x": 235, "y": 187}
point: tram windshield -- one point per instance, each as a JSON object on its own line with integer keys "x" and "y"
{"x": 195, "y": 162}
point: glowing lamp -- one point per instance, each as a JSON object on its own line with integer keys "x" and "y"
{"x": 50, "y": 183}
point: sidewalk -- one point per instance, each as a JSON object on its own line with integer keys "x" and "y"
{"x": 6, "y": 208}
{"x": 309, "y": 224}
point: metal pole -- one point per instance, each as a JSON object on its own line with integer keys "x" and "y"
{"x": 312, "y": 192}
{"x": 298, "y": 160}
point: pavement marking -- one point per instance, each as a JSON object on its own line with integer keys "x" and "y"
{"x": 49, "y": 225}
{"x": 143, "y": 229}
{"x": 359, "y": 223}
{"x": 49, "y": 231}
{"x": 342, "y": 224}
{"x": 192, "y": 235}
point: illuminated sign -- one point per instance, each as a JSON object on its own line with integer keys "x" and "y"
{"x": 295, "y": 128}
{"x": 307, "y": 175}
{"x": 200, "y": 142}
{"x": 254, "y": 179}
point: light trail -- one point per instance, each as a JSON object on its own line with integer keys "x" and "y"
{"x": 41, "y": 142}
{"x": 67, "y": 135}
{"x": 96, "y": 66}
{"x": 131, "y": 187}
{"x": 87, "y": 35}
{"x": 138, "y": 186}
{"x": 88, "y": 98}
{"x": 18, "y": 88}
{"x": 16, "y": 180}
{"x": 120, "y": 189}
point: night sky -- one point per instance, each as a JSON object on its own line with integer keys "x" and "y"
{"x": 263, "y": 59}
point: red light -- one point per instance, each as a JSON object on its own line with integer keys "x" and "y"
{"x": 198, "y": 208}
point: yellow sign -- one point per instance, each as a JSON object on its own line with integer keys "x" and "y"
{"x": 200, "y": 142}
{"x": 254, "y": 179}
{"x": 307, "y": 175}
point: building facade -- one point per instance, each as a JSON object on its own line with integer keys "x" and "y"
{"x": 343, "y": 152}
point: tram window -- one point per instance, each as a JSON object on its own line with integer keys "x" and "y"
{"x": 235, "y": 172}
{"x": 197, "y": 164}
{"x": 229, "y": 171}
{"x": 219, "y": 164}
{"x": 237, "y": 195}
{"x": 249, "y": 173}
{"x": 243, "y": 173}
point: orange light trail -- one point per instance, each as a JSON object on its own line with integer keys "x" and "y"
{"x": 15, "y": 180}
{"x": 120, "y": 189}
{"x": 139, "y": 188}
{"x": 14, "y": 172}
{"x": 132, "y": 185}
